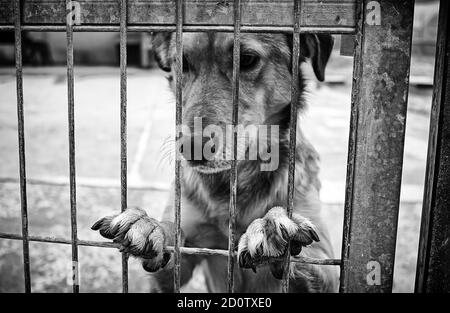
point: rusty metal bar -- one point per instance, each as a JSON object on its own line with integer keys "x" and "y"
{"x": 178, "y": 121}
{"x": 21, "y": 138}
{"x": 169, "y": 249}
{"x": 351, "y": 154}
{"x": 329, "y": 13}
{"x": 123, "y": 128}
{"x": 381, "y": 97}
{"x": 72, "y": 172}
{"x": 295, "y": 98}
{"x": 233, "y": 172}
{"x": 433, "y": 262}
{"x": 186, "y": 28}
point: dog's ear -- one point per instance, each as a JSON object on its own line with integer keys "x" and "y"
{"x": 318, "y": 48}
{"x": 161, "y": 45}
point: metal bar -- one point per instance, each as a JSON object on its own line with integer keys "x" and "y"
{"x": 433, "y": 262}
{"x": 169, "y": 249}
{"x": 72, "y": 172}
{"x": 382, "y": 95}
{"x": 186, "y": 28}
{"x": 123, "y": 128}
{"x": 351, "y": 154}
{"x": 178, "y": 121}
{"x": 255, "y": 12}
{"x": 233, "y": 172}
{"x": 293, "y": 130}
{"x": 21, "y": 138}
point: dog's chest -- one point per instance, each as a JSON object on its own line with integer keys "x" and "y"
{"x": 219, "y": 216}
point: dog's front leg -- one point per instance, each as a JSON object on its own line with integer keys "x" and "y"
{"x": 146, "y": 239}
{"x": 266, "y": 239}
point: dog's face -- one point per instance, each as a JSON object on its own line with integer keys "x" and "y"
{"x": 265, "y": 85}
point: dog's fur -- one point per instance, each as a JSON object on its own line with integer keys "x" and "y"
{"x": 262, "y": 223}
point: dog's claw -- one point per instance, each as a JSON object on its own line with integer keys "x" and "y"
{"x": 314, "y": 235}
{"x": 97, "y": 225}
{"x": 245, "y": 261}
{"x": 166, "y": 259}
{"x": 136, "y": 234}
{"x": 296, "y": 247}
{"x": 103, "y": 226}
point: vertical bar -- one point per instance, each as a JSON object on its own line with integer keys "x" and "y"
{"x": 433, "y": 262}
{"x": 178, "y": 121}
{"x": 21, "y": 135}
{"x": 145, "y": 60}
{"x": 374, "y": 192}
{"x": 72, "y": 173}
{"x": 123, "y": 128}
{"x": 233, "y": 173}
{"x": 351, "y": 154}
{"x": 293, "y": 128}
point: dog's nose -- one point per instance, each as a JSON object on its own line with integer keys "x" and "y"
{"x": 191, "y": 148}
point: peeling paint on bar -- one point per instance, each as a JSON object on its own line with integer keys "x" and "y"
{"x": 186, "y": 28}
{"x": 205, "y": 12}
{"x": 381, "y": 97}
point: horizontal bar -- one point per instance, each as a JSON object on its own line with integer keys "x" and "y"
{"x": 205, "y": 12}
{"x": 170, "y": 249}
{"x": 186, "y": 28}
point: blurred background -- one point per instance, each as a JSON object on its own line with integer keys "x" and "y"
{"x": 151, "y": 112}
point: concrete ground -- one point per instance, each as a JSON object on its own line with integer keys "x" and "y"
{"x": 150, "y": 123}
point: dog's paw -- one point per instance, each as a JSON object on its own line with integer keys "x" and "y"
{"x": 138, "y": 235}
{"x": 267, "y": 238}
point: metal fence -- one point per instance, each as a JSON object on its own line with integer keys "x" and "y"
{"x": 382, "y": 31}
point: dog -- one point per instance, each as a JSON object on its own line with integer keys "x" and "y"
{"x": 262, "y": 224}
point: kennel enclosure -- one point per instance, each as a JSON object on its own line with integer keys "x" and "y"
{"x": 382, "y": 34}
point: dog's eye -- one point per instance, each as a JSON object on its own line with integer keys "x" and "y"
{"x": 248, "y": 61}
